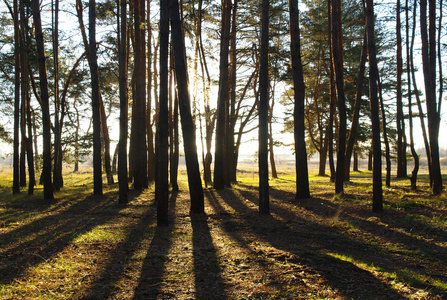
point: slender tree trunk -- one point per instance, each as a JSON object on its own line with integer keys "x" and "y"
{"x": 323, "y": 156}
{"x": 414, "y": 173}
{"x": 302, "y": 177}
{"x": 149, "y": 131}
{"x": 189, "y": 137}
{"x": 370, "y": 160}
{"x": 97, "y": 167}
{"x": 374, "y": 104}
{"x": 46, "y": 123}
{"x": 429, "y": 70}
{"x": 271, "y": 142}
{"x": 16, "y": 167}
{"x": 264, "y": 202}
{"x": 161, "y": 154}
{"x": 385, "y": 135}
{"x": 124, "y": 104}
{"x": 356, "y": 161}
{"x": 416, "y": 93}
{"x": 140, "y": 159}
{"x": 330, "y": 129}
{"x": 26, "y": 99}
{"x": 356, "y": 113}
{"x": 401, "y": 151}
{"x": 58, "y": 182}
{"x": 173, "y": 126}
{"x": 220, "y": 167}
{"x": 232, "y": 115}
{"x": 336, "y": 35}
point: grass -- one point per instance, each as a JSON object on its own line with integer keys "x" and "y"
{"x": 326, "y": 247}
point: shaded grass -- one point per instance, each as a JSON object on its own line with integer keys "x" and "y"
{"x": 324, "y": 247}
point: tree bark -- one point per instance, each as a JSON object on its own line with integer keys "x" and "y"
{"x": 401, "y": 147}
{"x": 16, "y": 162}
{"x": 140, "y": 159}
{"x": 429, "y": 70}
{"x": 161, "y": 154}
{"x": 302, "y": 177}
{"x": 97, "y": 167}
{"x": 356, "y": 113}
{"x": 374, "y": 105}
{"x": 220, "y": 166}
{"x": 149, "y": 131}
{"x": 385, "y": 135}
{"x": 189, "y": 137}
{"x": 264, "y": 202}
{"x": 124, "y": 104}
{"x": 414, "y": 173}
{"x": 336, "y": 36}
{"x": 46, "y": 122}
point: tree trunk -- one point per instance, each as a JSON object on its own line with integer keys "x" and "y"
{"x": 302, "y": 177}
{"x": 385, "y": 135}
{"x": 414, "y": 173}
{"x": 46, "y": 122}
{"x": 140, "y": 154}
{"x": 161, "y": 154}
{"x": 264, "y": 202}
{"x": 429, "y": 71}
{"x": 16, "y": 167}
{"x": 374, "y": 104}
{"x": 149, "y": 131}
{"x": 97, "y": 168}
{"x": 337, "y": 60}
{"x": 271, "y": 142}
{"x": 124, "y": 104}
{"x": 220, "y": 165}
{"x": 401, "y": 151}
{"x": 189, "y": 137}
{"x": 356, "y": 113}
{"x": 330, "y": 129}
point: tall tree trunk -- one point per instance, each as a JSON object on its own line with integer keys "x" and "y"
{"x": 264, "y": 202}
{"x": 189, "y": 137}
{"x": 336, "y": 36}
{"x": 330, "y": 129}
{"x": 46, "y": 122}
{"x": 374, "y": 104}
{"x": 16, "y": 167}
{"x": 103, "y": 117}
{"x": 140, "y": 159}
{"x": 58, "y": 182}
{"x": 270, "y": 139}
{"x": 416, "y": 93}
{"x": 97, "y": 168}
{"x": 149, "y": 131}
{"x": 356, "y": 113}
{"x": 414, "y": 173}
{"x": 173, "y": 126}
{"x": 161, "y": 154}
{"x": 26, "y": 98}
{"x": 124, "y": 104}
{"x": 401, "y": 151}
{"x": 302, "y": 177}
{"x": 220, "y": 166}
{"x": 385, "y": 135}
{"x": 429, "y": 71}
{"x": 232, "y": 116}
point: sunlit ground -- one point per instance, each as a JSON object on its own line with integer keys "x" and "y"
{"x": 326, "y": 247}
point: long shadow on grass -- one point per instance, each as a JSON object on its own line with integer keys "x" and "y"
{"x": 416, "y": 247}
{"x": 43, "y": 238}
{"x": 350, "y": 280}
{"x": 153, "y": 266}
{"x": 207, "y": 269}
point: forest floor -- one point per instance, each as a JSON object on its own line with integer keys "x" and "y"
{"x": 326, "y": 247}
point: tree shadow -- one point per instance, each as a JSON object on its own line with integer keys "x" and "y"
{"x": 41, "y": 239}
{"x": 152, "y": 270}
{"x": 207, "y": 268}
{"x": 341, "y": 275}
